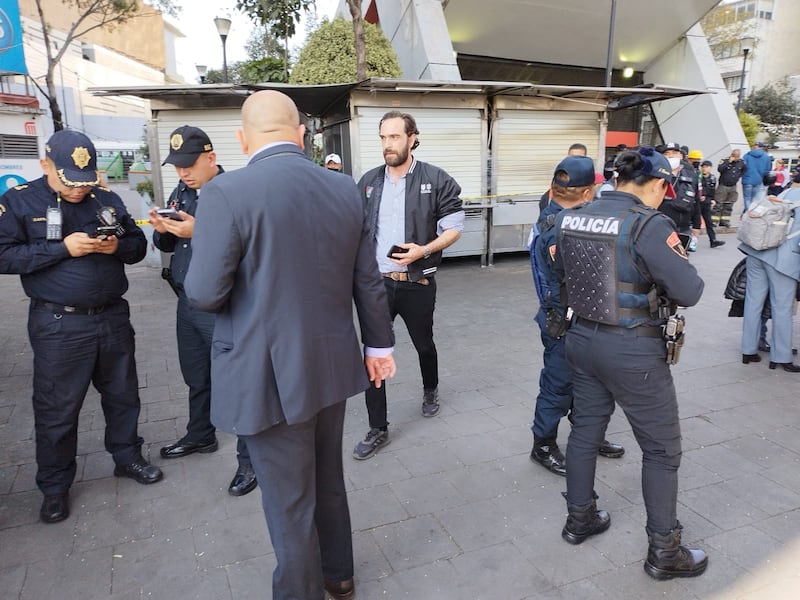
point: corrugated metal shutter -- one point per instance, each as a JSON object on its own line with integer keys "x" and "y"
{"x": 528, "y": 144}
{"x": 220, "y": 125}
{"x": 448, "y": 138}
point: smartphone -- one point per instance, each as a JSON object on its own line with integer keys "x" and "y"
{"x": 104, "y": 232}
{"x": 170, "y": 213}
{"x": 396, "y": 250}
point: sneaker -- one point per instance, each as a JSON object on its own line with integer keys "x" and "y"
{"x": 430, "y": 403}
{"x": 717, "y": 243}
{"x": 374, "y": 440}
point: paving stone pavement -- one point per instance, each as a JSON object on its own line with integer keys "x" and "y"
{"x": 452, "y": 508}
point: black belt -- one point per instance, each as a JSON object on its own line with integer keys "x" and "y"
{"x": 641, "y": 331}
{"x": 71, "y": 310}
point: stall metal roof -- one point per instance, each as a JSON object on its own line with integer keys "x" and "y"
{"x": 317, "y": 100}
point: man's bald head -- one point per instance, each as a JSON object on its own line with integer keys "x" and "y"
{"x": 269, "y": 116}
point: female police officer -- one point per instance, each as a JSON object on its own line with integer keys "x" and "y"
{"x": 625, "y": 270}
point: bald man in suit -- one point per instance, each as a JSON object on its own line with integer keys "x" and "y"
{"x": 281, "y": 252}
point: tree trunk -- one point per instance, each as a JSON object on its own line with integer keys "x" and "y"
{"x": 360, "y": 40}
{"x": 52, "y": 98}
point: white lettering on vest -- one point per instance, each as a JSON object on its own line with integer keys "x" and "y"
{"x": 605, "y": 225}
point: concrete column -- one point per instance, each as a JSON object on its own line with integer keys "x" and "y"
{"x": 707, "y": 122}
{"x": 418, "y": 32}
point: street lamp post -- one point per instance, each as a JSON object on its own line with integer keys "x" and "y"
{"x": 223, "y": 27}
{"x": 201, "y": 72}
{"x": 746, "y": 44}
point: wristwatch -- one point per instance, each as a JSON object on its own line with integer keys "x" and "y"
{"x": 427, "y": 253}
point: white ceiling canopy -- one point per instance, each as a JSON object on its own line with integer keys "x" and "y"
{"x": 571, "y": 32}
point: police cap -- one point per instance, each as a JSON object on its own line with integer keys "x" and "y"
{"x": 579, "y": 171}
{"x": 74, "y": 157}
{"x": 185, "y": 144}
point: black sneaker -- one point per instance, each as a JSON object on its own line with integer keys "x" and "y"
{"x": 430, "y": 403}
{"x": 374, "y": 440}
{"x": 717, "y": 243}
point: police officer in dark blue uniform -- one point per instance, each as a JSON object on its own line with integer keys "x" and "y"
{"x": 69, "y": 238}
{"x": 195, "y": 161}
{"x": 625, "y": 270}
{"x": 684, "y": 208}
{"x": 572, "y": 185}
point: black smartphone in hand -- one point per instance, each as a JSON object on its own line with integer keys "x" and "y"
{"x": 170, "y": 213}
{"x": 396, "y": 250}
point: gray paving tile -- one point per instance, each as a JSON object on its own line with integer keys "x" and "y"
{"x": 427, "y": 494}
{"x": 225, "y": 542}
{"x": 414, "y": 542}
{"x": 12, "y": 579}
{"x": 77, "y": 575}
{"x": 467, "y": 470}
{"x": 375, "y": 506}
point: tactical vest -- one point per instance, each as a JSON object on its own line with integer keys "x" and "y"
{"x": 603, "y": 283}
{"x": 542, "y": 273}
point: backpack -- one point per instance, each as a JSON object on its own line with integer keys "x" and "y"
{"x": 767, "y": 224}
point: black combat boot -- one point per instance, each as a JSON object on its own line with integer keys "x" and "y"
{"x": 666, "y": 558}
{"x": 547, "y": 453}
{"x": 584, "y": 521}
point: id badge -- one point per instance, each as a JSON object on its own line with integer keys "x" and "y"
{"x": 54, "y": 224}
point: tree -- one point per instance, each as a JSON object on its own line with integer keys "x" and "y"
{"x": 330, "y": 55}
{"x": 725, "y": 29}
{"x": 360, "y": 40}
{"x": 774, "y": 105}
{"x": 750, "y": 127}
{"x": 267, "y": 69}
{"x": 262, "y": 43}
{"x": 92, "y": 14}
{"x": 281, "y": 16}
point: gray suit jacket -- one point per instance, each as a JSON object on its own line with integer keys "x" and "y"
{"x": 280, "y": 253}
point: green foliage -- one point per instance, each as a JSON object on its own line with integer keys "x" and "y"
{"x": 146, "y": 187}
{"x": 750, "y": 126}
{"x": 263, "y": 43}
{"x": 330, "y": 55}
{"x": 261, "y": 70}
{"x": 724, "y": 30}
{"x": 282, "y": 16}
{"x": 775, "y": 105}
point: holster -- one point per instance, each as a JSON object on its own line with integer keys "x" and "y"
{"x": 557, "y": 322}
{"x": 166, "y": 275}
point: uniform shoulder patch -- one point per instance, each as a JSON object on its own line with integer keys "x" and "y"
{"x": 674, "y": 243}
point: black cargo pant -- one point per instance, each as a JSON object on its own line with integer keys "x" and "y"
{"x": 630, "y": 370}
{"x": 70, "y": 351}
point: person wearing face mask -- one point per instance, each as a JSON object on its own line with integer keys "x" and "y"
{"x": 625, "y": 271}
{"x": 69, "y": 239}
{"x": 684, "y": 208}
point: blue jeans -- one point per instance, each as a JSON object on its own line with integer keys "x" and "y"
{"x": 750, "y": 191}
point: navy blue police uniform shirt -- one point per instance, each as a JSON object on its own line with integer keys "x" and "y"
{"x": 47, "y": 271}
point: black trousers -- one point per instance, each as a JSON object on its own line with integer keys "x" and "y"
{"x": 305, "y": 503}
{"x": 631, "y": 371}
{"x": 195, "y": 330}
{"x": 415, "y": 304}
{"x": 705, "y": 211}
{"x": 70, "y": 351}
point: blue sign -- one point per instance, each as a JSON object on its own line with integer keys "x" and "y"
{"x": 12, "y": 57}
